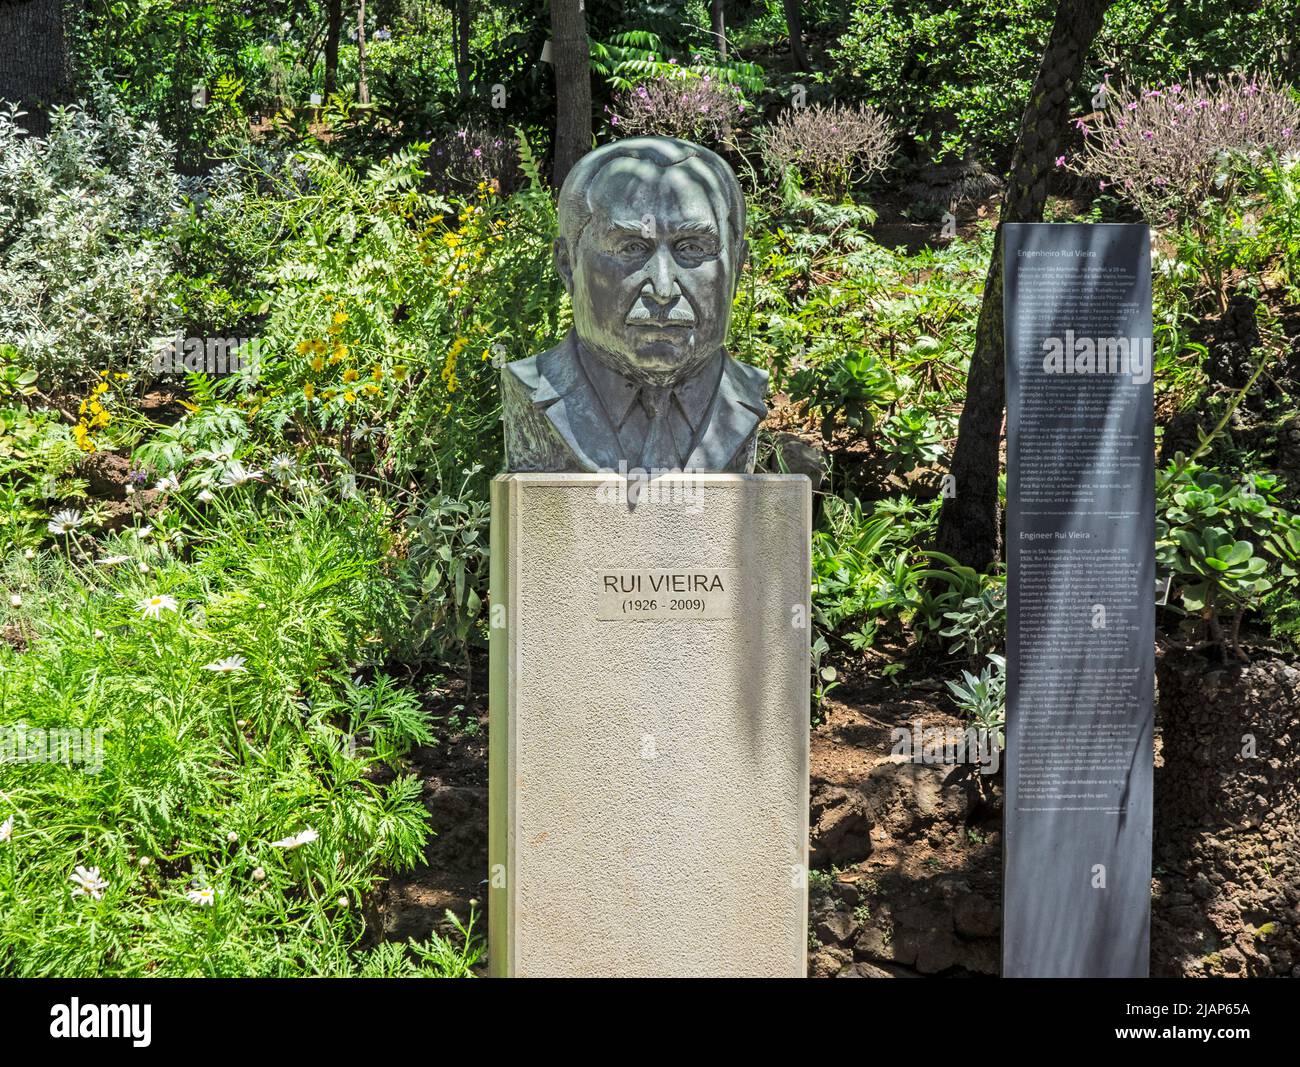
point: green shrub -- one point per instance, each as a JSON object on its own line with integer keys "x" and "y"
{"x": 1226, "y": 543}
{"x": 84, "y": 256}
{"x": 238, "y": 821}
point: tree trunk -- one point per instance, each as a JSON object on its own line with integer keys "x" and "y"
{"x": 718, "y": 11}
{"x": 333, "y": 31}
{"x": 572, "y": 61}
{"x": 794, "y": 24}
{"x": 462, "y": 30}
{"x": 33, "y": 58}
{"x": 969, "y": 529}
{"x": 363, "y": 90}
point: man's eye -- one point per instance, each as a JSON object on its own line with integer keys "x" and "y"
{"x": 694, "y": 248}
{"x": 634, "y": 248}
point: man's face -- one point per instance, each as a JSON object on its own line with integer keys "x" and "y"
{"x": 652, "y": 278}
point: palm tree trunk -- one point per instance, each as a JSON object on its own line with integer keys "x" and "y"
{"x": 33, "y": 58}
{"x": 572, "y": 61}
{"x": 969, "y": 527}
{"x": 794, "y": 24}
{"x": 363, "y": 90}
{"x": 333, "y": 31}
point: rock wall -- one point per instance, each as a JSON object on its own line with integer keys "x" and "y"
{"x": 1227, "y": 819}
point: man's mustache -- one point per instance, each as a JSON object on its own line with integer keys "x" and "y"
{"x": 649, "y": 312}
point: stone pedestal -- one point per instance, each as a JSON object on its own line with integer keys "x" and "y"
{"x": 649, "y": 726}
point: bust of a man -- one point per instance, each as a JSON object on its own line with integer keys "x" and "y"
{"x": 650, "y": 248}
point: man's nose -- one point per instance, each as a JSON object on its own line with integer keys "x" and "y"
{"x": 662, "y": 276}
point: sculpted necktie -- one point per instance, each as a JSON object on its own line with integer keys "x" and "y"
{"x": 659, "y": 449}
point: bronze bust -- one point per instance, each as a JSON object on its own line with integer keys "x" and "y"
{"x": 651, "y": 247}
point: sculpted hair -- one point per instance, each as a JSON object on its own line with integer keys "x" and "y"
{"x": 575, "y": 209}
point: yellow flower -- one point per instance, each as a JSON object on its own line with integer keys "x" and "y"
{"x": 371, "y": 389}
{"x": 101, "y": 388}
{"x": 399, "y": 372}
{"x": 305, "y": 346}
{"x": 350, "y": 375}
{"x": 309, "y": 390}
{"x": 340, "y": 317}
{"x": 317, "y": 364}
{"x": 377, "y": 373}
{"x": 340, "y": 352}
{"x": 458, "y": 346}
{"x": 349, "y": 396}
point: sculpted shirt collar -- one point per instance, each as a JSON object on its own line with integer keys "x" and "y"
{"x": 694, "y": 395}
{"x": 719, "y": 410}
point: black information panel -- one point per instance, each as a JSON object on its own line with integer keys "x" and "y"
{"x": 1080, "y": 604}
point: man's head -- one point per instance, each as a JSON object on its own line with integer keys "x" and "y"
{"x": 650, "y": 249}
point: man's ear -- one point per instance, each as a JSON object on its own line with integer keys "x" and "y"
{"x": 563, "y": 266}
{"x": 742, "y": 256}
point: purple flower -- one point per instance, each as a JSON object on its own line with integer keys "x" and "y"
{"x": 1060, "y": 161}
{"x": 1147, "y": 135}
{"x": 614, "y": 121}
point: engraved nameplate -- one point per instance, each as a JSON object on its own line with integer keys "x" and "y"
{"x": 685, "y": 593}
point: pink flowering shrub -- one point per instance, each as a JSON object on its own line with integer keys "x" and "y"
{"x": 700, "y": 109}
{"x": 1165, "y": 149}
{"x": 829, "y": 145}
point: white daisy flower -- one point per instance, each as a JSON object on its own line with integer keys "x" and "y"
{"x": 142, "y": 567}
{"x": 88, "y": 883}
{"x": 15, "y": 601}
{"x": 206, "y": 496}
{"x": 152, "y": 607}
{"x": 64, "y": 522}
{"x": 229, "y": 665}
{"x": 29, "y": 553}
{"x": 109, "y": 561}
{"x": 283, "y": 467}
{"x": 168, "y": 483}
{"x": 142, "y": 532}
{"x": 259, "y": 874}
{"x": 304, "y": 837}
{"x": 6, "y": 830}
{"x": 238, "y": 474}
{"x": 204, "y": 898}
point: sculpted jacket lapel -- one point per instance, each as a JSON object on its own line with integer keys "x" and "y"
{"x": 572, "y": 407}
{"x": 738, "y": 408}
